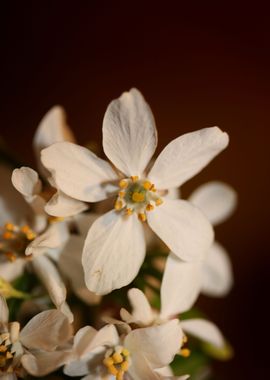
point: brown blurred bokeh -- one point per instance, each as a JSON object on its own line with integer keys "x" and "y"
{"x": 200, "y": 65}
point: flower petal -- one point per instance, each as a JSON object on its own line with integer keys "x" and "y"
{"x": 46, "y": 331}
{"x": 26, "y": 181}
{"x": 217, "y": 200}
{"x": 41, "y": 363}
{"x": 78, "y": 172}
{"x": 11, "y": 270}
{"x": 180, "y": 286}
{"x": 217, "y": 274}
{"x": 64, "y": 206}
{"x": 4, "y": 313}
{"x": 51, "y": 279}
{"x": 113, "y": 252}
{"x": 186, "y": 156}
{"x": 183, "y": 228}
{"x": 52, "y": 128}
{"x": 158, "y": 344}
{"x": 204, "y": 330}
{"x": 129, "y": 133}
{"x": 141, "y": 309}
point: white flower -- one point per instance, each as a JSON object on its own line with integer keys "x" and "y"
{"x": 179, "y": 289}
{"x": 31, "y": 242}
{"x": 38, "y": 349}
{"x": 135, "y": 355}
{"x": 115, "y": 246}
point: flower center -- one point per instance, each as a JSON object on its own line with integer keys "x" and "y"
{"x": 117, "y": 361}
{"x": 14, "y": 240}
{"x": 137, "y": 195}
{"x": 6, "y": 353}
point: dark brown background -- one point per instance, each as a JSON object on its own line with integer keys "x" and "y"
{"x": 198, "y": 66}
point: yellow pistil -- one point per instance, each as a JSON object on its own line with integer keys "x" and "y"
{"x": 123, "y": 184}
{"x": 185, "y": 352}
{"x": 118, "y": 205}
{"x": 138, "y": 197}
{"x": 159, "y": 202}
{"x": 142, "y": 217}
{"x": 149, "y": 207}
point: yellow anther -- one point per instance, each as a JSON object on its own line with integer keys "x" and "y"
{"x": 134, "y": 178}
{"x": 9, "y": 355}
{"x": 147, "y": 185}
{"x": 149, "y": 207}
{"x": 159, "y": 202}
{"x": 121, "y": 194}
{"x": 125, "y": 365}
{"x": 117, "y": 358}
{"x": 9, "y": 226}
{"x": 112, "y": 370}
{"x": 185, "y": 339}
{"x": 25, "y": 229}
{"x": 125, "y": 352}
{"x": 108, "y": 361}
{"x": 8, "y": 235}
{"x": 10, "y": 256}
{"x": 118, "y": 205}
{"x": 123, "y": 184}
{"x": 129, "y": 211}
{"x": 185, "y": 352}
{"x": 142, "y": 217}
{"x": 138, "y": 197}
{"x": 30, "y": 235}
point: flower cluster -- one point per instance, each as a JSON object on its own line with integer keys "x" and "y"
{"x": 113, "y": 244}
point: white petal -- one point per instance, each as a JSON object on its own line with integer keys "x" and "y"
{"x": 78, "y": 172}
{"x": 129, "y": 133}
{"x": 140, "y": 369}
{"x": 9, "y": 376}
{"x": 70, "y": 264}
{"x": 113, "y": 253}
{"x": 51, "y": 279}
{"x": 11, "y": 270}
{"x": 180, "y": 286}
{"x": 42, "y": 363}
{"x": 141, "y": 309}
{"x": 186, "y": 156}
{"x": 54, "y": 237}
{"x": 26, "y": 181}
{"x": 4, "y": 313}
{"x": 204, "y": 330}
{"x": 217, "y": 200}
{"x": 52, "y": 128}
{"x": 46, "y": 331}
{"x": 183, "y": 228}
{"x": 158, "y": 344}
{"x": 64, "y": 206}
{"x": 217, "y": 274}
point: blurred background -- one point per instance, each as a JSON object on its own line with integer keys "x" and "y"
{"x": 198, "y": 65}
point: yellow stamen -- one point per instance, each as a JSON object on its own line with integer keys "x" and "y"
{"x": 9, "y": 226}
{"x": 123, "y": 184}
{"x": 120, "y": 375}
{"x": 134, "y": 178}
{"x": 108, "y": 361}
{"x": 112, "y": 370}
{"x": 149, "y": 207}
{"x": 138, "y": 197}
{"x": 118, "y": 205}
{"x": 129, "y": 211}
{"x": 121, "y": 194}
{"x": 159, "y": 202}
{"x": 142, "y": 217}
{"x": 185, "y": 339}
{"x": 125, "y": 365}
{"x": 25, "y": 229}
{"x": 185, "y": 352}
{"x": 8, "y": 235}
{"x": 117, "y": 358}
{"x": 147, "y": 185}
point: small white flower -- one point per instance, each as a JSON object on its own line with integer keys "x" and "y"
{"x": 115, "y": 246}
{"x": 38, "y": 349}
{"x": 135, "y": 355}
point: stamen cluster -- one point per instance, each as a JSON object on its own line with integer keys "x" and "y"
{"x": 117, "y": 361}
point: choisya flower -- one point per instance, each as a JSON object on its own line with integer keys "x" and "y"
{"x": 134, "y": 355}
{"x": 115, "y": 246}
{"x": 180, "y": 288}
{"x": 38, "y": 349}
